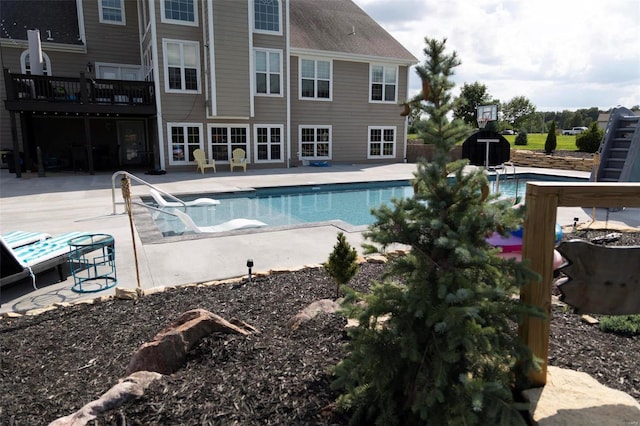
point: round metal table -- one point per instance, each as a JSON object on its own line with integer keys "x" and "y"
{"x": 92, "y": 261}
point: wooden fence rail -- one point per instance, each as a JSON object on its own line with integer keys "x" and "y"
{"x": 542, "y": 201}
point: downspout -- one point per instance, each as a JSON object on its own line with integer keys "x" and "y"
{"x": 252, "y": 107}
{"x": 288, "y": 85}
{"x": 156, "y": 82}
{"x": 213, "y": 106}
{"x": 406, "y": 119}
{"x": 206, "y": 58}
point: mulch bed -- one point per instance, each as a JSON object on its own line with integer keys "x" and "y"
{"x": 54, "y": 363}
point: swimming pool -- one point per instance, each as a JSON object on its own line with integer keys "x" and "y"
{"x": 349, "y": 204}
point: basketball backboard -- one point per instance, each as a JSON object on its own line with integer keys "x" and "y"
{"x": 488, "y": 112}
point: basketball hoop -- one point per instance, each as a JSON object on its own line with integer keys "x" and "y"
{"x": 482, "y": 122}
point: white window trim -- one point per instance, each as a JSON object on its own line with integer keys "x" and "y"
{"x": 166, "y": 41}
{"x": 261, "y": 31}
{"x": 99, "y": 65}
{"x": 384, "y": 72}
{"x": 106, "y": 21}
{"x": 184, "y": 126}
{"x": 370, "y": 142}
{"x": 255, "y": 72}
{"x": 166, "y": 20}
{"x": 23, "y": 62}
{"x": 309, "y": 126}
{"x": 269, "y": 144}
{"x": 228, "y": 126}
{"x": 315, "y": 97}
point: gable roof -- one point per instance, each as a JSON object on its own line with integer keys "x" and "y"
{"x": 341, "y": 26}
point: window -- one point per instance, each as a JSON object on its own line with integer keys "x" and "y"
{"x": 117, "y": 71}
{"x": 267, "y": 16}
{"x": 315, "y": 142}
{"x": 269, "y": 143}
{"x": 224, "y": 139}
{"x": 382, "y": 142}
{"x": 182, "y": 66}
{"x": 183, "y": 12}
{"x": 111, "y": 11}
{"x": 184, "y": 138}
{"x": 315, "y": 79}
{"x": 384, "y": 83}
{"x": 268, "y": 72}
{"x": 26, "y": 66}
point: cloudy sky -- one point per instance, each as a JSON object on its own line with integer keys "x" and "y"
{"x": 560, "y": 54}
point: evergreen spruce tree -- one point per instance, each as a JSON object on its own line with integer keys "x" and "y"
{"x": 342, "y": 265}
{"x": 436, "y": 343}
{"x": 550, "y": 143}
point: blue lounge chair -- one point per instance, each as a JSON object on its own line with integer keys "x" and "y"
{"x": 15, "y": 239}
{"x": 28, "y": 260}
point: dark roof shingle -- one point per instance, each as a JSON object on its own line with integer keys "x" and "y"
{"x": 341, "y": 26}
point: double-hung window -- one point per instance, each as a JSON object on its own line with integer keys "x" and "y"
{"x": 315, "y": 79}
{"x": 269, "y": 142}
{"x": 111, "y": 12}
{"x": 268, "y": 65}
{"x": 223, "y": 139}
{"x": 182, "y": 12}
{"x": 182, "y": 66}
{"x": 382, "y": 142}
{"x": 383, "y": 83}
{"x": 184, "y": 138}
{"x": 315, "y": 142}
{"x": 267, "y": 16}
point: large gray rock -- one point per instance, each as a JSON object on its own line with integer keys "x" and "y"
{"x": 575, "y": 398}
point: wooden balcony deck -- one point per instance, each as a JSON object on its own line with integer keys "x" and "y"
{"x": 41, "y": 93}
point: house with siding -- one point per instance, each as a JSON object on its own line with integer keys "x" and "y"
{"x": 140, "y": 84}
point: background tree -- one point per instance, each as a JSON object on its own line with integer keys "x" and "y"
{"x": 517, "y": 111}
{"x": 471, "y": 96}
{"x": 590, "y": 140}
{"x": 551, "y": 142}
{"x": 521, "y": 138}
{"x": 446, "y": 352}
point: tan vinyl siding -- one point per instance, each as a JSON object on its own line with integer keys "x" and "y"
{"x": 349, "y": 113}
{"x": 119, "y": 44}
{"x": 231, "y": 38}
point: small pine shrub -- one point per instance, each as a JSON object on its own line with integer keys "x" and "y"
{"x": 435, "y": 344}
{"x": 551, "y": 143}
{"x": 342, "y": 265}
{"x": 589, "y": 141}
{"x": 521, "y": 139}
{"x": 624, "y": 325}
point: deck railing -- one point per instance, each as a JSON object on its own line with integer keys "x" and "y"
{"x": 543, "y": 200}
{"x": 43, "y": 88}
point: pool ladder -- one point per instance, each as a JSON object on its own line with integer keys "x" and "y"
{"x": 505, "y": 174}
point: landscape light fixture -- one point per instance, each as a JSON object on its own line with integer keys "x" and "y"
{"x": 249, "y": 265}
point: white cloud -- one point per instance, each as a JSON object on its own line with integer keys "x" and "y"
{"x": 561, "y": 54}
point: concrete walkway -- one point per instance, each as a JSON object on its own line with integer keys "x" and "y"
{"x": 61, "y": 203}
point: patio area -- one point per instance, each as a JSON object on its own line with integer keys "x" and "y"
{"x": 61, "y": 203}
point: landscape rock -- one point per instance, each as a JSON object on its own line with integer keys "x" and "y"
{"x": 312, "y": 310}
{"x": 167, "y": 351}
{"x": 126, "y": 390}
{"x": 575, "y": 398}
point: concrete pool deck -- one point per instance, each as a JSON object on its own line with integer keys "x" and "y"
{"x": 64, "y": 202}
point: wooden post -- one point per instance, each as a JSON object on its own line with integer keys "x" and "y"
{"x": 537, "y": 245}
{"x": 542, "y": 201}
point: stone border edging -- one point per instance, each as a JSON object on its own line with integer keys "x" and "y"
{"x": 132, "y": 293}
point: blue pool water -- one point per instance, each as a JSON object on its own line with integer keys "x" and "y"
{"x": 286, "y": 206}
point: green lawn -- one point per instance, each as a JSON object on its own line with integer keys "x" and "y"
{"x": 535, "y": 141}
